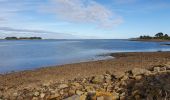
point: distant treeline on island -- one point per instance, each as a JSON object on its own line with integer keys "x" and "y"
{"x": 23, "y": 38}
{"x": 158, "y": 36}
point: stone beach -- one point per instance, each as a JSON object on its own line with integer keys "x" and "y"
{"x": 132, "y": 83}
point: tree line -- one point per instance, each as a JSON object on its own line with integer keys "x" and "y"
{"x": 23, "y": 38}
{"x": 159, "y": 35}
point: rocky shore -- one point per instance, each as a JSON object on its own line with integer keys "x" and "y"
{"x": 130, "y": 76}
{"x": 135, "y": 84}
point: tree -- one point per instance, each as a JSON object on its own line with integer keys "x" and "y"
{"x": 11, "y": 38}
{"x": 160, "y": 34}
{"x": 145, "y": 37}
{"x": 166, "y": 36}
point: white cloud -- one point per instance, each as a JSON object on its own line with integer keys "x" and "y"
{"x": 83, "y": 11}
{"x": 11, "y": 8}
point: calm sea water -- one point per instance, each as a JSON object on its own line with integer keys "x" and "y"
{"x": 31, "y": 54}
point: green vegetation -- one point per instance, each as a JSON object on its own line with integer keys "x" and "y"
{"x": 23, "y": 38}
{"x": 159, "y": 35}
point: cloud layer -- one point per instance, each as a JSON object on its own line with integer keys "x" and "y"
{"x": 27, "y": 32}
{"x": 83, "y": 11}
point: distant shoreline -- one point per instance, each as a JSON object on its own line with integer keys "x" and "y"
{"x": 22, "y": 38}
{"x": 159, "y": 37}
{"x": 150, "y": 40}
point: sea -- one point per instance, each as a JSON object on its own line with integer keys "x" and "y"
{"x": 19, "y": 55}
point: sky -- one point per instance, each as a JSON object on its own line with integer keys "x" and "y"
{"x": 84, "y": 19}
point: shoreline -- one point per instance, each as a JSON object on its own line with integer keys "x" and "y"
{"x": 117, "y": 57}
{"x": 106, "y": 56}
{"x": 150, "y": 40}
{"x": 121, "y": 63}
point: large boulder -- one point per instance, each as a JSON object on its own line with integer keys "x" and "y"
{"x": 140, "y": 71}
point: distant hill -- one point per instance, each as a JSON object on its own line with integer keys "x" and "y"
{"x": 23, "y": 38}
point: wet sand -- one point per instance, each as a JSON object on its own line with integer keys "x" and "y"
{"x": 122, "y": 62}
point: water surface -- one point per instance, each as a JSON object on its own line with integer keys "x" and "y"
{"x": 17, "y": 55}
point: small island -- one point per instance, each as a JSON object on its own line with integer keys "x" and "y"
{"x": 23, "y": 38}
{"x": 159, "y": 37}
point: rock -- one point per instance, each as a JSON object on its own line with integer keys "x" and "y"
{"x": 74, "y": 97}
{"x": 76, "y": 84}
{"x": 119, "y": 75}
{"x": 15, "y": 94}
{"x": 109, "y": 88}
{"x": 139, "y": 71}
{"x": 35, "y": 98}
{"x": 36, "y": 93}
{"x": 54, "y": 96}
{"x": 61, "y": 92}
{"x": 78, "y": 92}
{"x": 42, "y": 95}
{"x": 83, "y": 97}
{"x": 105, "y": 98}
{"x": 108, "y": 98}
{"x": 98, "y": 79}
{"x": 156, "y": 69}
{"x": 125, "y": 77}
{"x": 139, "y": 77}
{"x": 137, "y": 97}
{"x": 62, "y": 86}
{"x": 150, "y": 97}
{"x": 71, "y": 92}
{"x": 91, "y": 95}
{"x": 100, "y": 98}
{"x": 115, "y": 96}
{"x": 167, "y": 66}
{"x": 135, "y": 92}
{"x": 108, "y": 78}
{"x": 89, "y": 88}
{"x": 46, "y": 84}
{"x": 122, "y": 98}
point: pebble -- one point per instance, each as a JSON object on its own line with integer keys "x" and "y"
{"x": 62, "y": 86}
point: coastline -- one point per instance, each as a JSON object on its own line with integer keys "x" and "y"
{"x": 121, "y": 63}
{"x": 150, "y": 40}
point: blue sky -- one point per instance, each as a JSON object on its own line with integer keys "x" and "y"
{"x": 71, "y": 19}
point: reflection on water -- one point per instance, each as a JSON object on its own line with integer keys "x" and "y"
{"x": 31, "y": 54}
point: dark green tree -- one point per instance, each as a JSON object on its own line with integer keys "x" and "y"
{"x": 159, "y": 35}
{"x": 166, "y": 37}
